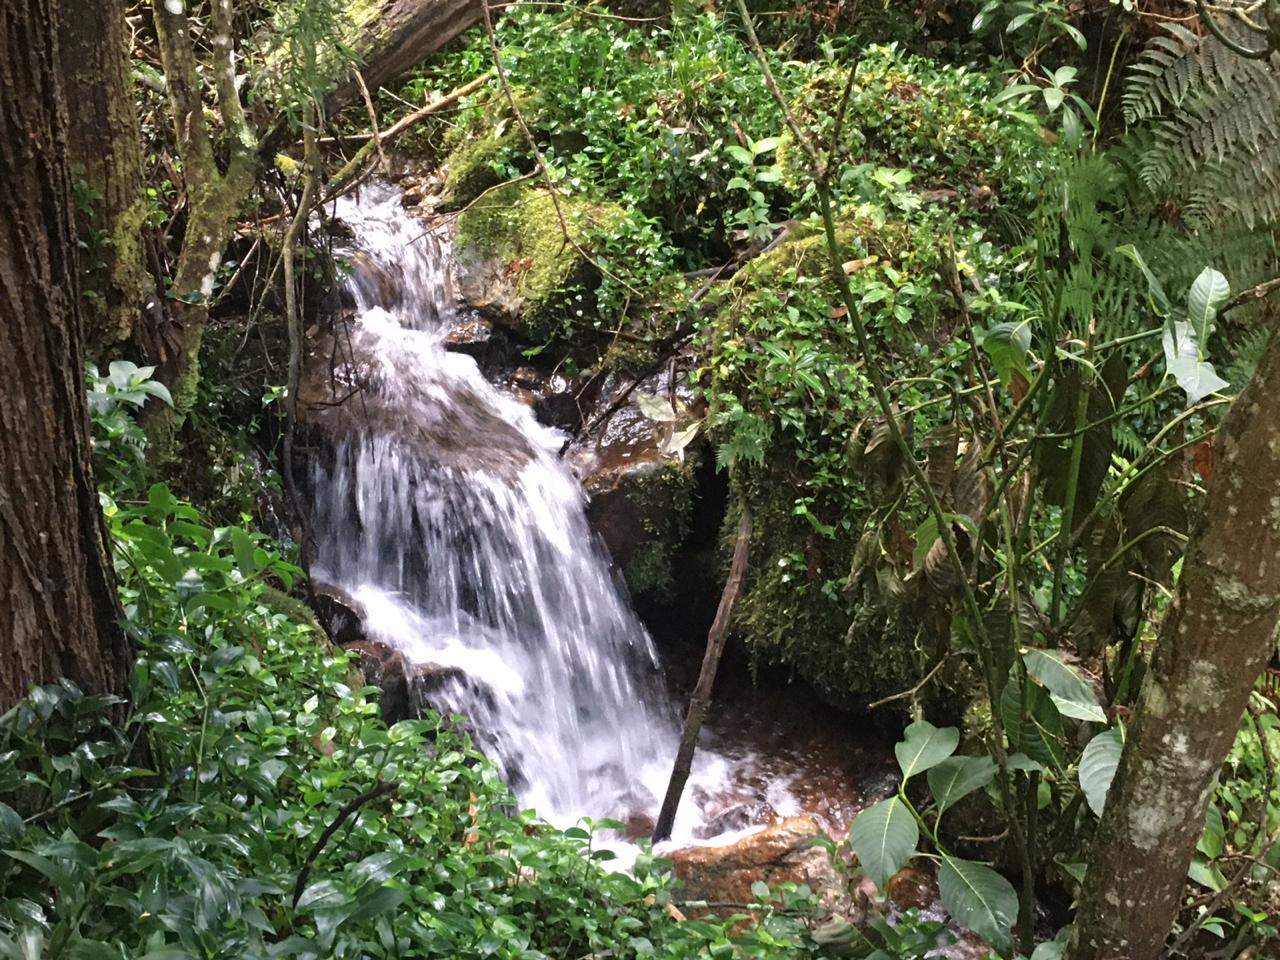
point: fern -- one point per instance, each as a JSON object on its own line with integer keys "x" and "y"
{"x": 1213, "y": 125}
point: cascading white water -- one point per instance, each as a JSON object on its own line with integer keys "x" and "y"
{"x": 456, "y": 528}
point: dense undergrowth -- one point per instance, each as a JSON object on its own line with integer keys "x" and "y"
{"x": 1049, "y": 330}
{"x": 1034, "y": 306}
{"x": 246, "y": 799}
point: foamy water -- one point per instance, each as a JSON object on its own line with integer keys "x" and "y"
{"x": 463, "y": 538}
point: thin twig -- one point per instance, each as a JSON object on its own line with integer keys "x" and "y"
{"x": 700, "y": 702}
{"x": 913, "y": 691}
{"x": 375, "y": 137}
{"x": 385, "y": 787}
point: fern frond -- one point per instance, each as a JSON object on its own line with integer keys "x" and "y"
{"x": 1213, "y": 120}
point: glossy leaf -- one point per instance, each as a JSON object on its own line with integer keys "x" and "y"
{"x": 979, "y": 899}
{"x": 1098, "y": 765}
{"x": 923, "y": 746}
{"x": 884, "y": 837}
{"x": 957, "y": 777}
{"x": 1071, "y": 693}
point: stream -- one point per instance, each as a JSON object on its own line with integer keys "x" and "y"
{"x": 463, "y": 538}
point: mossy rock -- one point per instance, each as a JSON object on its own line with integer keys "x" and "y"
{"x": 855, "y": 643}
{"x": 941, "y": 122}
{"x": 813, "y": 491}
{"x": 515, "y": 263}
{"x": 469, "y": 169}
{"x": 663, "y": 500}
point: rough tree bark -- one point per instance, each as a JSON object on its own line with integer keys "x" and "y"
{"x": 105, "y": 151}
{"x": 58, "y": 613}
{"x": 1211, "y": 650}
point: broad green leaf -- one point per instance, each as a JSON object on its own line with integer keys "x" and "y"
{"x": 923, "y": 746}
{"x": 121, "y": 373}
{"x": 1197, "y": 378}
{"x": 957, "y": 777}
{"x": 1007, "y": 344}
{"x": 765, "y": 145}
{"x": 1206, "y": 874}
{"x": 55, "y": 872}
{"x": 378, "y": 901}
{"x": 377, "y": 867}
{"x": 979, "y": 899}
{"x": 1209, "y": 292}
{"x": 1158, "y": 298}
{"x": 1039, "y": 735}
{"x": 1020, "y": 761}
{"x": 323, "y": 893}
{"x": 884, "y": 838}
{"x": 926, "y": 535}
{"x": 741, "y": 154}
{"x": 1213, "y": 839}
{"x": 11, "y": 825}
{"x": 242, "y": 546}
{"x": 1098, "y": 765}
{"x": 1071, "y": 693}
{"x": 157, "y": 389}
{"x": 1185, "y": 362}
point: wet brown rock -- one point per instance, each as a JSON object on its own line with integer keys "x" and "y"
{"x": 346, "y": 396}
{"x": 472, "y": 335}
{"x": 913, "y": 887}
{"x": 734, "y": 814}
{"x": 782, "y": 853}
{"x": 386, "y": 668}
{"x": 339, "y": 613}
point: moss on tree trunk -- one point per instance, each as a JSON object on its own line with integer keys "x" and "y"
{"x": 103, "y": 141}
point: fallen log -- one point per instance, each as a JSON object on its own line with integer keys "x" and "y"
{"x": 395, "y": 36}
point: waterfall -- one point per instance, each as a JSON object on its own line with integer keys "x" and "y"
{"x": 455, "y": 527}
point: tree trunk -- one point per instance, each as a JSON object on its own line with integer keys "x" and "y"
{"x": 58, "y": 613}
{"x": 105, "y": 152}
{"x": 396, "y": 35}
{"x": 1212, "y": 648}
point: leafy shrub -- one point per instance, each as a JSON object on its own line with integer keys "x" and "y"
{"x": 248, "y": 801}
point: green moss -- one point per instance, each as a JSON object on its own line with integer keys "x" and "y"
{"x": 788, "y": 414}
{"x": 854, "y": 642}
{"x": 469, "y": 169}
{"x": 664, "y": 501}
{"x": 277, "y": 601}
{"x": 938, "y": 121}
{"x": 518, "y": 226}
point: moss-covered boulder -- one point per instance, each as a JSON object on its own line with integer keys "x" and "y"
{"x": 833, "y": 589}
{"x": 941, "y": 122}
{"x": 470, "y": 169}
{"x": 519, "y": 255}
